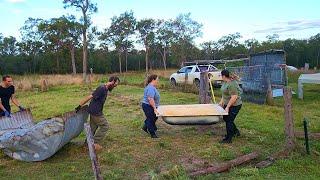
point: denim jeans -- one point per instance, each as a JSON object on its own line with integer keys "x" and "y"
{"x": 151, "y": 118}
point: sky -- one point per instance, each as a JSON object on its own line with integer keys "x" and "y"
{"x": 299, "y": 19}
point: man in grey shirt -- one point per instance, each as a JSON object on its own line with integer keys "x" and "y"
{"x": 98, "y": 123}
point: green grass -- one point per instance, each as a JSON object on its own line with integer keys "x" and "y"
{"x": 130, "y": 154}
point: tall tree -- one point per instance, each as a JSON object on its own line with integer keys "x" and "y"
{"x": 146, "y": 28}
{"x": 87, "y": 7}
{"x": 251, "y": 45}
{"x": 272, "y": 42}
{"x": 9, "y": 46}
{"x": 231, "y": 46}
{"x": 210, "y": 49}
{"x": 186, "y": 30}
{"x": 119, "y": 32}
{"x": 164, "y": 38}
{"x": 314, "y": 42}
{"x": 32, "y": 41}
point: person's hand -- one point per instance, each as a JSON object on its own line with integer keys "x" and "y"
{"x": 221, "y": 103}
{"x": 227, "y": 109}
{"x": 78, "y": 108}
{"x": 156, "y": 112}
{"x": 7, "y": 114}
{"x": 21, "y": 108}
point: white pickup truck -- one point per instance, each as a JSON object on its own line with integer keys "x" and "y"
{"x": 191, "y": 75}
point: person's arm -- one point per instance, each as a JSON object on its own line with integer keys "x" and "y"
{"x": 15, "y": 100}
{"x": 233, "y": 99}
{"x": 153, "y": 104}
{"x": 221, "y": 102}
{"x": 85, "y": 100}
{"x": 2, "y": 107}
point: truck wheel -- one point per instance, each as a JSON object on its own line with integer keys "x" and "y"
{"x": 173, "y": 82}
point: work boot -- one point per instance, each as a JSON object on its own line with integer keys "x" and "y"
{"x": 236, "y": 133}
{"x": 226, "y": 141}
{"x": 145, "y": 129}
{"x": 154, "y": 136}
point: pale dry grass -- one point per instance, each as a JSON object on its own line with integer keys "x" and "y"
{"x": 164, "y": 73}
{"x": 41, "y": 82}
{"x": 44, "y": 82}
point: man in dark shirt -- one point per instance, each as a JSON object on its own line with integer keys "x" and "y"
{"x": 6, "y": 93}
{"x": 98, "y": 123}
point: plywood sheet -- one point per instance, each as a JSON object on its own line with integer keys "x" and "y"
{"x": 191, "y": 110}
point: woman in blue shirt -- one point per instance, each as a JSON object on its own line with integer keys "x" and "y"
{"x": 150, "y": 103}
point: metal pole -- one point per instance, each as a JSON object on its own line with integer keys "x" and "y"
{"x": 305, "y": 126}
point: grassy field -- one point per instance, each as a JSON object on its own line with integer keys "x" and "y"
{"x": 130, "y": 154}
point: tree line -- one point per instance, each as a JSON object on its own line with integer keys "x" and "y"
{"x": 65, "y": 44}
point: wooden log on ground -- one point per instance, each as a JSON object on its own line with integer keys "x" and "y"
{"x": 268, "y": 162}
{"x": 271, "y": 159}
{"x": 300, "y": 134}
{"x": 227, "y": 165}
{"x": 289, "y": 128}
{"x": 92, "y": 153}
{"x": 316, "y": 152}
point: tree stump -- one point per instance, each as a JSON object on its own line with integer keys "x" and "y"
{"x": 44, "y": 85}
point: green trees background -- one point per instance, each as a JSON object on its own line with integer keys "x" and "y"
{"x": 69, "y": 45}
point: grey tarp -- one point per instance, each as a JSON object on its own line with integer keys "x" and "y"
{"x": 21, "y": 139}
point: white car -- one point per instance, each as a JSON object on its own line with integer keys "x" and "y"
{"x": 292, "y": 68}
{"x": 191, "y": 75}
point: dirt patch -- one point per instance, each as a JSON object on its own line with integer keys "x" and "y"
{"x": 215, "y": 129}
{"x": 191, "y": 163}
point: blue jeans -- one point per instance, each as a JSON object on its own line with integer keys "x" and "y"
{"x": 151, "y": 119}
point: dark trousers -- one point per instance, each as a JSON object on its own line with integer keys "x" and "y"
{"x": 229, "y": 119}
{"x": 151, "y": 118}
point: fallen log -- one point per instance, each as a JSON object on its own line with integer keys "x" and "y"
{"x": 271, "y": 159}
{"x": 227, "y": 165}
{"x": 300, "y": 134}
{"x": 316, "y": 152}
{"x": 268, "y": 162}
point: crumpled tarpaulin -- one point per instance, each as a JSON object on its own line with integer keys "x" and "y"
{"x": 21, "y": 139}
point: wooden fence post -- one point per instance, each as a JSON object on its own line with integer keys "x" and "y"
{"x": 204, "y": 88}
{"x": 92, "y": 153}
{"x": 289, "y": 125}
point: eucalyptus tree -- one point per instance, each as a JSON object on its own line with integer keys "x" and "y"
{"x": 87, "y": 8}
{"x": 210, "y": 49}
{"x": 119, "y": 33}
{"x": 9, "y": 46}
{"x": 146, "y": 36}
{"x": 186, "y": 30}
{"x": 32, "y": 43}
{"x": 61, "y": 33}
{"x": 164, "y": 37}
